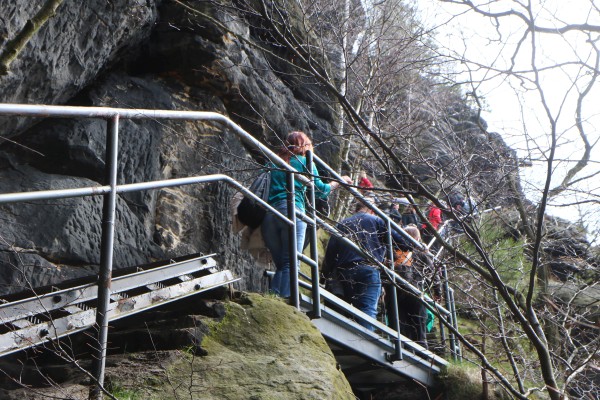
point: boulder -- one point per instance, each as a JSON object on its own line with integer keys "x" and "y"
{"x": 255, "y": 348}
{"x": 262, "y": 349}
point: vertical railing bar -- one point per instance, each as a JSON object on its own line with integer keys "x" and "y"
{"x": 443, "y": 338}
{"x": 106, "y": 255}
{"x": 448, "y": 303}
{"x": 314, "y": 255}
{"x": 398, "y": 339}
{"x": 456, "y": 345}
{"x": 453, "y": 322}
{"x": 293, "y": 247}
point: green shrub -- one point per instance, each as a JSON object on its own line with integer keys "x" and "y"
{"x": 461, "y": 381}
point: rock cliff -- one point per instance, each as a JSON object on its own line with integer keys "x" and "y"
{"x": 160, "y": 55}
{"x": 136, "y": 54}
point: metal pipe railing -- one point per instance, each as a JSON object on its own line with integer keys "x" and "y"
{"x": 106, "y": 254}
{"x": 38, "y": 110}
{"x": 389, "y": 271}
{"x": 293, "y": 241}
{"x": 394, "y": 294}
{"x": 108, "y": 112}
{"x": 449, "y": 292}
{"x": 109, "y": 191}
{"x": 392, "y": 275}
{"x": 373, "y": 207}
{"x": 453, "y": 341}
{"x": 314, "y": 255}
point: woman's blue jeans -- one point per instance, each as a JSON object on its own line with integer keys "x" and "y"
{"x": 275, "y": 235}
{"x": 362, "y": 288}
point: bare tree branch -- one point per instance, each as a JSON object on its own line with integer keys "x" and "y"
{"x": 15, "y": 46}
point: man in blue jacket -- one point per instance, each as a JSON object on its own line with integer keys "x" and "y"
{"x": 358, "y": 274}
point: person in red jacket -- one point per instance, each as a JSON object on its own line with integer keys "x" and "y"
{"x": 434, "y": 216}
{"x": 364, "y": 182}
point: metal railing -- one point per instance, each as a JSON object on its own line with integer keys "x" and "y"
{"x": 454, "y": 343}
{"x": 110, "y": 190}
{"x": 395, "y": 278}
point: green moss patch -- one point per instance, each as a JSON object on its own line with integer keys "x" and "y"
{"x": 262, "y": 349}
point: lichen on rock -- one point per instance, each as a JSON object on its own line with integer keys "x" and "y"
{"x": 262, "y": 349}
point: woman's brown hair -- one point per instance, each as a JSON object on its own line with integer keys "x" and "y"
{"x": 297, "y": 143}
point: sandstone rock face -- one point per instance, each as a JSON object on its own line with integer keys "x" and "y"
{"x": 136, "y": 55}
{"x": 70, "y": 49}
{"x": 152, "y": 225}
{"x": 49, "y": 241}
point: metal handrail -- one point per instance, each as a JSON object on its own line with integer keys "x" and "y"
{"x": 448, "y": 291}
{"x": 367, "y": 203}
{"x": 392, "y": 274}
{"x": 113, "y": 115}
{"x": 38, "y": 110}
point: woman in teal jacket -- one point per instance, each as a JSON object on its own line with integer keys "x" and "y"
{"x": 275, "y": 231}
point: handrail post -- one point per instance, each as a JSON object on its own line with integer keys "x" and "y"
{"x": 293, "y": 247}
{"x": 106, "y": 256}
{"x": 449, "y": 306}
{"x": 443, "y": 337}
{"x": 452, "y": 322}
{"x": 455, "y": 344}
{"x": 314, "y": 255}
{"x": 398, "y": 341}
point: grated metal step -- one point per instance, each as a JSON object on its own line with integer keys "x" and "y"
{"x": 33, "y": 321}
{"x": 364, "y": 356}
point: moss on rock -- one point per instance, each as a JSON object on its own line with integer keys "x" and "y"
{"x": 262, "y": 349}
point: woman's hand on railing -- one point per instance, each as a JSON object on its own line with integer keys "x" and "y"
{"x": 336, "y": 184}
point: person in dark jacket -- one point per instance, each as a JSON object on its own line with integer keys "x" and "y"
{"x": 395, "y": 213}
{"x": 412, "y": 313}
{"x": 360, "y": 276}
{"x": 409, "y": 216}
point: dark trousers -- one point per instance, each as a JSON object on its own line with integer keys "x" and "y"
{"x": 427, "y": 236}
{"x": 411, "y": 313}
{"x": 362, "y": 288}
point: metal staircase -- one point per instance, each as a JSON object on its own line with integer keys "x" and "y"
{"x": 367, "y": 358}
{"x": 46, "y": 317}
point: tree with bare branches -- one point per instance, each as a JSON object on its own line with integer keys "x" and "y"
{"x": 398, "y": 88}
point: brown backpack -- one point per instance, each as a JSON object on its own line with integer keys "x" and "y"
{"x": 402, "y": 258}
